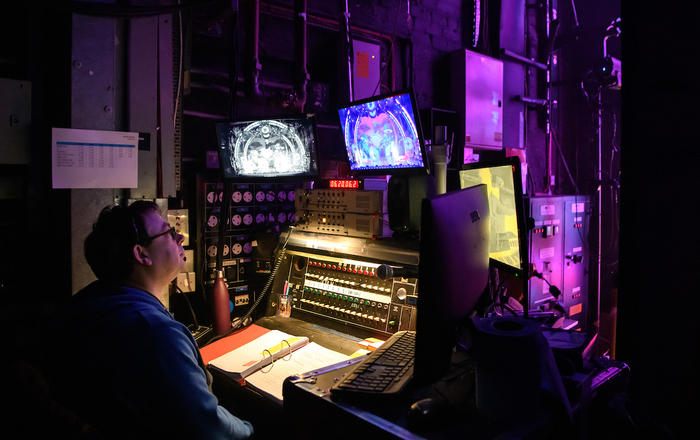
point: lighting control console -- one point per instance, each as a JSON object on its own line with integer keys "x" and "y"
{"x": 345, "y": 293}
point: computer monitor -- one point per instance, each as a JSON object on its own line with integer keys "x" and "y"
{"x": 383, "y": 135}
{"x": 508, "y": 239}
{"x": 283, "y": 149}
{"x": 453, "y": 272}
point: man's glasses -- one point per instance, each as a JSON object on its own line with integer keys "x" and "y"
{"x": 171, "y": 231}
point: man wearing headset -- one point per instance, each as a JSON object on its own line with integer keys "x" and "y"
{"x": 119, "y": 359}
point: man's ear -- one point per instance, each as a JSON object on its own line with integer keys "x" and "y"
{"x": 141, "y": 255}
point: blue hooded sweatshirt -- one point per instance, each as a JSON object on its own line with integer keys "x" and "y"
{"x": 125, "y": 365}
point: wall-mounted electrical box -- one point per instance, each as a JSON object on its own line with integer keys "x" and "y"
{"x": 559, "y": 251}
{"x": 15, "y": 121}
{"x": 366, "y": 69}
{"x": 477, "y": 97}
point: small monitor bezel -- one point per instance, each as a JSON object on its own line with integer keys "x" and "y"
{"x": 401, "y": 171}
{"x": 521, "y": 220}
{"x": 311, "y": 175}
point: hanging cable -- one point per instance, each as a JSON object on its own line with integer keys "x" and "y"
{"x": 241, "y": 322}
{"x": 391, "y": 50}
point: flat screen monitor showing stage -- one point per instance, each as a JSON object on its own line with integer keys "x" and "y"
{"x": 453, "y": 272}
{"x": 269, "y": 149}
{"x": 508, "y": 242}
{"x": 383, "y": 135}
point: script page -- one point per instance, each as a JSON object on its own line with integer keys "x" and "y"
{"x": 308, "y": 358}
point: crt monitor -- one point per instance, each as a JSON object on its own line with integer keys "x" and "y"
{"x": 508, "y": 242}
{"x": 453, "y": 272}
{"x": 383, "y": 135}
{"x": 269, "y": 149}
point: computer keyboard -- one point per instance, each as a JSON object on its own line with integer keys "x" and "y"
{"x": 385, "y": 372}
{"x": 603, "y": 376}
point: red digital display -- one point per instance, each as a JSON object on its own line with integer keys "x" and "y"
{"x": 344, "y": 184}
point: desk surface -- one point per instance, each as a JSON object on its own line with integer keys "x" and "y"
{"x": 310, "y": 412}
{"x": 387, "y": 419}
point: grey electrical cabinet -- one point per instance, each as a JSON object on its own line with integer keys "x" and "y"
{"x": 477, "y": 97}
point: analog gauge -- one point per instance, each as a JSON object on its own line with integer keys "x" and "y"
{"x": 237, "y": 197}
{"x": 282, "y": 196}
{"x": 291, "y": 218}
{"x": 221, "y": 196}
{"x": 225, "y": 250}
{"x": 211, "y": 197}
{"x": 248, "y": 219}
{"x": 259, "y": 196}
{"x": 236, "y": 249}
{"x": 270, "y": 196}
{"x": 271, "y": 217}
{"x": 281, "y": 217}
{"x": 236, "y": 220}
{"x": 247, "y": 196}
{"x": 248, "y": 248}
{"x": 213, "y": 221}
{"x": 291, "y": 196}
{"x": 260, "y": 218}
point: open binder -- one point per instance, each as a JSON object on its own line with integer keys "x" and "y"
{"x": 258, "y": 354}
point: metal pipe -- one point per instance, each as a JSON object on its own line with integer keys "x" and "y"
{"x": 300, "y": 45}
{"x": 523, "y": 60}
{"x": 252, "y": 74}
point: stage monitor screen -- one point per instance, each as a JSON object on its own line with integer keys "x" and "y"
{"x": 269, "y": 149}
{"x": 453, "y": 273}
{"x": 383, "y": 135}
{"x": 508, "y": 242}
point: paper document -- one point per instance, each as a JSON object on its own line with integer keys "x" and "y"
{"x": 257, "y": 354}
{"x": 94, "y": 159}
{"x": 308, "y": 358}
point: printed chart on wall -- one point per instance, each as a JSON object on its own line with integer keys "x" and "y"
{"x": 94, "y": 159}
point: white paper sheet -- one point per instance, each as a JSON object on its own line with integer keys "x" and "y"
{"x": 308, "y": 358}
{"x": 94, "y": 159}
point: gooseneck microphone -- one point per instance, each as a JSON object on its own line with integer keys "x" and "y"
{"x": 384, "y": 272}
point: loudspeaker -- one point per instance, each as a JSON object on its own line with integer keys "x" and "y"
{"x": 404, "y": 197}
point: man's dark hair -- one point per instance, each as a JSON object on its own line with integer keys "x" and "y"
{"x": 108, "y": 248}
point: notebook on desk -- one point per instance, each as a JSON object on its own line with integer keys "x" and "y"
{"x": 290, "y": 355}
{"x": 231, "y": 342}
{"x": 258, "y": 354}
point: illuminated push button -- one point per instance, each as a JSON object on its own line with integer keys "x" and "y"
{"x": 377, "y": 318}
{"x": 392, "y": 322}
{"x": 366, "y": 273}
